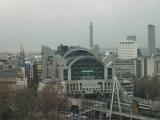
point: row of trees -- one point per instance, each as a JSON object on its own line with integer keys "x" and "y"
{"x": 148, "y": 89}
{"x": 32, "y": 105}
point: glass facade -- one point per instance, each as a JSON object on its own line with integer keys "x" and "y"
{"x": 87, "y": 68}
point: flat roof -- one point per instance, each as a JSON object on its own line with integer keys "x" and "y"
{"x": 7, "y": 74}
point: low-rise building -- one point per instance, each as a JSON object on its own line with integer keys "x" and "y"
{"x": 11, "y": 79}
{"x": 8, "y": 84}
{"x": 53, "y": 84}
{"x": 128, "y": 87}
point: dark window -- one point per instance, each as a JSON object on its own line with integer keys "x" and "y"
{"x": 65, "y": 74}
{"x": 109, "y": 73}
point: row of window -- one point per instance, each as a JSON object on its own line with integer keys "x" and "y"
{"x": 78, "y": 86}
{"x": 94, "y": 92}
{"x": 121, "y": 43}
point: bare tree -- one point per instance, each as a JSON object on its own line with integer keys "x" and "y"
{"x": 53, "y": 100}
{"x": 147, "y": 89}
{"x": 26, "y": 103}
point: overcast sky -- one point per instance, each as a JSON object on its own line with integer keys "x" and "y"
{"x": 51, "y": 22}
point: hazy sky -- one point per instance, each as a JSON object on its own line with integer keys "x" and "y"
{"x": 51, "y": 22}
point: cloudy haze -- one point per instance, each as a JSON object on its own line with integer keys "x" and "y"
{"x": 51, "y": 22}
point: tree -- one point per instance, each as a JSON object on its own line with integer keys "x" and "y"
{"x": 5, "y": 111}
{"x": 147, "y": 89}
{"x": 26, "y": 103}
{"x": 53, "y": 100}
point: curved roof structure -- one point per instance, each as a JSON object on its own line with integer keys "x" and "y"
{"x": 86, "y": 68}
{"x": 78, "y": 51}
{"x": 85, "y": 57}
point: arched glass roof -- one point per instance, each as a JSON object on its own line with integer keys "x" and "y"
{"x": 75, "y": 52}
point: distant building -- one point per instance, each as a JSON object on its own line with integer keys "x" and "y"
{"x": 91, "y": 34}
{"x": 37, "y": 73}
{"x": 151, "y": 40}
{"x": 3, "y": 62}
{"x": 21, "y": 58}
{"x": 128, "y": 87}
{"x": 157, "y": 69}
{"x": 78, "y": 67}
{"x": 7, "y": 86}
{"x": 62, "y": 49}
{"x": 95, "y": 50}
{"x": 158, "y": 51}
{"x": 142, "y": 67}
{"x": 126, "y": 69}
{"x": 33, "y": 70}
{"x": 127, "y": 49}
{"x": 131, "y": 38}
{"x": 46, "y": 51}
{"x": 11, "y": 79}
{"x": 150, "y": 66}
{"x": 139, "y": 53}
{"x": 81, "y": 71}
{"x": 29, "y": 69}
{"x": 51, "y": 83}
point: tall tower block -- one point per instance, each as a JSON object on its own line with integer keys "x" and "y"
{"x": 151, "y": 40}
{"x": 91, "y": 34}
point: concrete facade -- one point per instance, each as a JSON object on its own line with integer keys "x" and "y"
{"x": 127, "y": 49}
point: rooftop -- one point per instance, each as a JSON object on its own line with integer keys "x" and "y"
{"x": 7, "y": 74}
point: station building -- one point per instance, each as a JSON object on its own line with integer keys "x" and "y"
{"x": 82, "y": 71}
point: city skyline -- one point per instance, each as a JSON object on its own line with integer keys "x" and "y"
{"x": 45, "y": 22}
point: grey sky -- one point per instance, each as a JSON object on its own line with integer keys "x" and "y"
{"x": 51, "y": 22}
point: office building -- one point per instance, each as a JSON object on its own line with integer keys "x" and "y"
{"x": 127, "y": 49}
{"x": 37, "y": 73}
{"x": 142, "y": 67}
{"x": 126, "y": 69}
{"x": 46, "y": 51}
{"x": 11, "y": 79}
{"x": 7, "y": 86}
{"x": 157, "y": 69}
{"x": 132, "y": 38}
{"x": 151, "y": 40}
{"x": 29, "y": 70}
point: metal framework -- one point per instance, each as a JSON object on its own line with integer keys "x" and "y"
{"x": 115, "y": 90}
{"x": 74, "y": 52}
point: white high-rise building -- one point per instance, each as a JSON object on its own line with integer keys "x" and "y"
{"x": 127, "y": 49}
